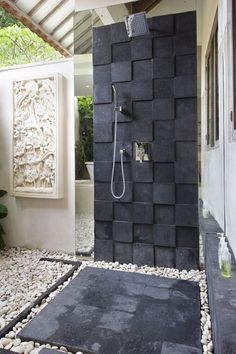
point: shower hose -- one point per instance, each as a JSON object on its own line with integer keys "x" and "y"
{"x": 116, "y": 109}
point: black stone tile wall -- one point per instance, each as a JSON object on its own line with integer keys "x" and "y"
{"x": 156, "y": 222}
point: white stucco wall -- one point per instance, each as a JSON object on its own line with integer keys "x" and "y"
{"x": 172, "y": 7}
{"x": 212, "y": 159}
{"x": 32, "y": 222}
{"x": 230, "y": 144}
{"x": 219, "y": 164}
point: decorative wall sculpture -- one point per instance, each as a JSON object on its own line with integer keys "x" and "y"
{"x": 36, "y": 137}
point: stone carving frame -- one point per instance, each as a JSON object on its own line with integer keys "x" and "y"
{"x": 36, "y": 156}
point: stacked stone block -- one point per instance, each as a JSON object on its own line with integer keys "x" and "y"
{"x": 156, "y": 222}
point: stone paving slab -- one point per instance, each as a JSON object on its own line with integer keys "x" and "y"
{"x": 6, "y": 351}
{"x": 49, "y": 351}
{"x": 107, "y": 311}
{"x": 222, "y": 295}
{"x": 173, "y": 348}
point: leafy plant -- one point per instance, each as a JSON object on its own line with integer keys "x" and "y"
{"x": 19, "y": 45}
{"x": 85, "y": 146}
{"x": 3, "y": 214}
{"x": 85, "y": 107}
{"x": 6, "y": 19}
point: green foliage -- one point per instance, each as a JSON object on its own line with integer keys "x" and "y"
{"x": 85, "y": 107}
{"x": 3, "y": 214}
{"x": 7, "y": 20}
{"x": 18, "y": 45}
{"x": 85, "y": 147}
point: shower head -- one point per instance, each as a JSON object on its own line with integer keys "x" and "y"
{"x": 136, "y": 24}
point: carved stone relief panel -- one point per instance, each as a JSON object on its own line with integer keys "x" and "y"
{"x": 36, "y": 166}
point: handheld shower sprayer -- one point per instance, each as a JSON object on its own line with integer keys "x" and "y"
{"x": 122, "y": 151}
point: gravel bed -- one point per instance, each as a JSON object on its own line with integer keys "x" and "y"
{"x": 10, "y": 341}
{"x": 84, "y": 233}
{"x": 23, "y": 279}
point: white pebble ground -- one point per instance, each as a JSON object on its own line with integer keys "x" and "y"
{"x": 22, "y": 258}
{"x": 23, "y": 279}
{"x": 84, "y": 233}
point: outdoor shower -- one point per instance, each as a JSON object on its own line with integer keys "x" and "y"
{"x": 146, "y": 196}
{"x": 136, "y": 25}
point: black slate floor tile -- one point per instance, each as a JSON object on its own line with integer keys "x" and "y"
{"x": 119, "y": 33}
{"x": 186, "y": 108}
{"x": 101, "y": 74}
{"x": 174, "y": 348}
{"x": 101, "y": 46}
{"x": 163, "y": 88}
{"x": 187, "y": 258}
{"x": 121, "y": 71}
{"x": 130, "y": 313}
{"x": 102, "y": 93}
{"x": 164, "y": 109}
{"x": 103, "y": 230}
{"x": 143, "y": 233}
{"x": 103, "y": 113}
{"x": 122, "y": 231}
{"x": 185, "y": 22}
{"x": 163, "y": 47}
{"x": 142, "y": 70}
{"x": 163, "y": 67}
{"x": 121, "y": 52}
{"x": 162, "y": 25}
{"x": 142, "y": 90}
{"x": 185, "y": 43}
{"x": 186, "y": 65}
{"x": 123, "y": 254}
{"x": 142, "y": 111}
{"x": 141, "y": 48}
{"x": 165, "y": 257}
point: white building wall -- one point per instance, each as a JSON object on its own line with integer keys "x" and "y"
{"x": 230, "y": 144}
{"x": 31, "y": 222}
{"x": 212, "y": 159}
{"x": 219, "y": 164}
{"x": 166, "y": 7}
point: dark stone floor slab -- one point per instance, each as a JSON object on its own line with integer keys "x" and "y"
{"x": 222, "y": 295}
{"x": 49, "y": 351}
{"x": 106, "y": 311}
{"x": 173, "y": 348}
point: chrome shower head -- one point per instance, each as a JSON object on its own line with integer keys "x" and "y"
{"x": 136, "y": 24}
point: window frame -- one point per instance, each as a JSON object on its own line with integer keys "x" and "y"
{"x": 233, "y": 113}
{"x": 212, "y": 87}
